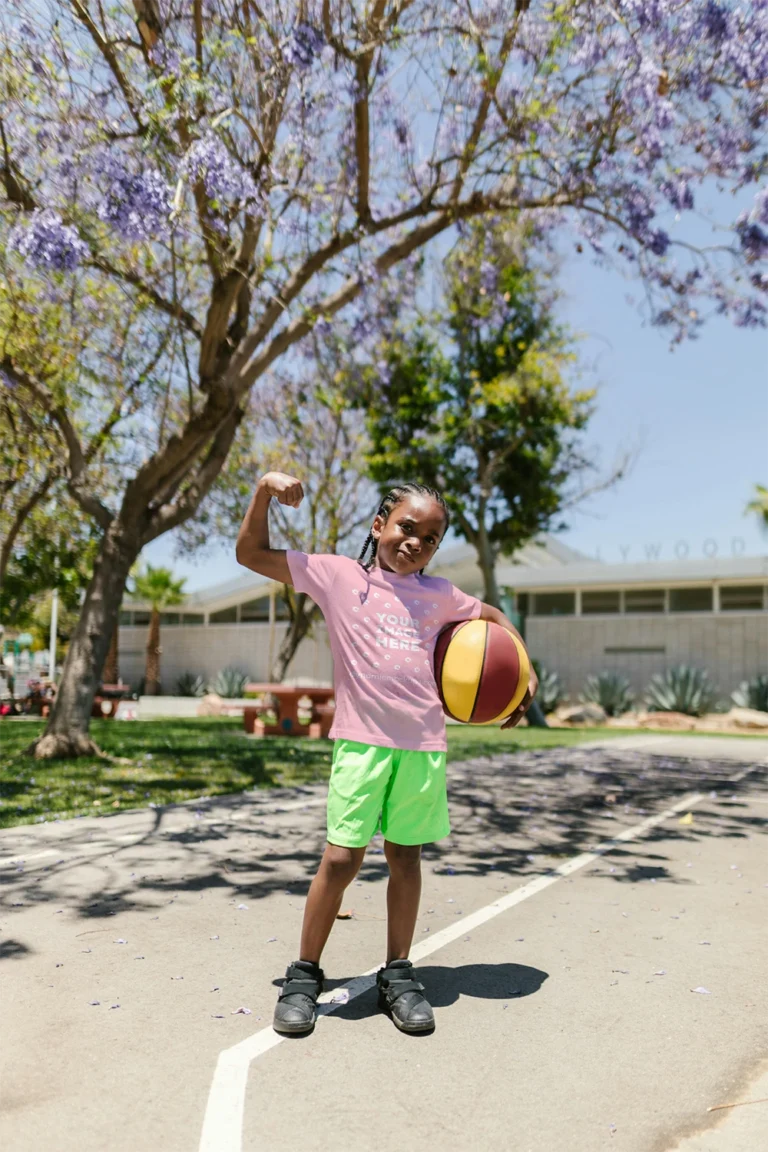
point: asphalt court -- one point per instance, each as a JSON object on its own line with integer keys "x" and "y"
{"x": 539, "y": 1041}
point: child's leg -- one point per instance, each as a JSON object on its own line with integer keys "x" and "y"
{"x": 337, "y": 870}
{"x": 403, "y": 895}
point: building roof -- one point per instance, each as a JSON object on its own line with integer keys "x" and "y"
{"x": 458, "y": 563}
{"x": 544, "y": 563}
{"x": 742, "y": 569}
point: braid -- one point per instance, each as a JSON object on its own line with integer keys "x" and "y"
{"x": 394, "y": 497}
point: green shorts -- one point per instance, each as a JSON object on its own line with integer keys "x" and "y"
{"x": 405, "y": 790}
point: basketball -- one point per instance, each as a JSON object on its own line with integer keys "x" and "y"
{"x": 482, "y": 671}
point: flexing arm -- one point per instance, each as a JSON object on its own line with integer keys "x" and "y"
{"x": 488, "y": 612}
{"x": 252, "y": 549}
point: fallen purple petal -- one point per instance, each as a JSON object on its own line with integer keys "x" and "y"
{"x": 242, "y": 1011}
{"x": 340, "y": 996}
{"x": 214, "y": 937}
{"x": 94, "y": 1003}
{"x": 703, "y": 991}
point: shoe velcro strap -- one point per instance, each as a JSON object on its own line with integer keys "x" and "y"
{"x": 306, "y": 987}
{"x": 395, "y": 988}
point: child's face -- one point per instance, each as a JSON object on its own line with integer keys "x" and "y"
{"x": 408, "y": 540}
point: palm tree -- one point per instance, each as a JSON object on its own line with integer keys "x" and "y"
{"x": 157, "y": 587}
{"x": 760, "y": 504}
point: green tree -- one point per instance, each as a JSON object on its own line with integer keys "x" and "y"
{"x": 759, "y": 505}
{"x": 475, "y": 401}
{"x": 158, "y": 588}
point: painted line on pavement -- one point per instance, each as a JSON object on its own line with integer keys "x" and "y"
{"x": 223, "y": 1121}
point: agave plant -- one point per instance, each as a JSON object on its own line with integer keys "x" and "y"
{"x": 190, "y": 685}
{"x": 230, "y": 683}
{"x": 752, "y": 694}
{"x": 611, "y": 691}
{"x": 680, "y": 689}
{"x": 550, "y": 691}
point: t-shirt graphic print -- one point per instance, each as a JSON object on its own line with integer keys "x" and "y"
{"x": 382, "y": 629}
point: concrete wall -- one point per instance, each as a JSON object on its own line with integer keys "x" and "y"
{"x": 730, "y": 646}
{"x": 206, "y": 649}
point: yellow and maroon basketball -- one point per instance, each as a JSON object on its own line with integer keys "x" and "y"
{"x": 482, "y": 671}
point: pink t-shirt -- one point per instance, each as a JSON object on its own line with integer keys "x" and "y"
{"x": 382, "y": 629}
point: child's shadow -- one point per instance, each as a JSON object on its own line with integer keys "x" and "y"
{"x": 444, "y": 986}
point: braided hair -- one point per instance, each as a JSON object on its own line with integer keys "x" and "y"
{"x": 394, "y": 497}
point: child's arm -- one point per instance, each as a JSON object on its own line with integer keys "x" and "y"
{"x": 252, "y": 549}
{"x": 488, "y": 612}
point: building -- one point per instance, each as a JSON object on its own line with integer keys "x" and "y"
{"x": 579, "y": 616}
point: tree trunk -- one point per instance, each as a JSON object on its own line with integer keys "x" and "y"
{"x": 152, "y": 673}
{"x": 304, "y": 616}
{"x": 111, "y": 673}
{"x": 66, "y": 733}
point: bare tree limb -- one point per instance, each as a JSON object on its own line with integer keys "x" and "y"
{"x": 167, "y": 517}
{"x": 22, "y": 513}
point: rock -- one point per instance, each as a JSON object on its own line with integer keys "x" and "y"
{"x": 211, "y": 705}
{"x": 581, "y": 714}
{"x": 674, "y": 720}
{"x": 748, "y": 718}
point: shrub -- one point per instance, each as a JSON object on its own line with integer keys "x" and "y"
{"x": 611, "y": 691}
{"x": 230, "y": 683}
{"x": 550, "y": 691}
{"x": 680, "y": 689}
{"x": 752, "y": 694}
{"x": 190, "y": 685}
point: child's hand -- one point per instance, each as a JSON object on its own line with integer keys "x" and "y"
{"x": 525, "y": 703}
{"x": 286, "y": 489}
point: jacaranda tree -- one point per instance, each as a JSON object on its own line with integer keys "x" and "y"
{"x": 246, "y": 170}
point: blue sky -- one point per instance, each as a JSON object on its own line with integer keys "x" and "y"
{"x": 697, "y": 416}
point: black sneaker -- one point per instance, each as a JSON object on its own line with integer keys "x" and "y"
{"x": 401, "y": 995}
{"x": 295, "y": 1008}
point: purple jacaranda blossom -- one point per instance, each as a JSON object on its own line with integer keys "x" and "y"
{"x": 223, "y": 177}
{"x": 303, "y": 47}
{"x": 714, "y": 18}
{"x": 47, "y": 243}
{"x": 137, "y": 205}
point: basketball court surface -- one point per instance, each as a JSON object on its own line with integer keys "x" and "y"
{"x": 592, "y": 936}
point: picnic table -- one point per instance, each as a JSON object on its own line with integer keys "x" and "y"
{"x": 286, "y": 702}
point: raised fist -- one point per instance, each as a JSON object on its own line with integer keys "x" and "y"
{"x": 286, "y": 489}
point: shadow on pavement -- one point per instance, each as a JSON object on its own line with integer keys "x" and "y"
{"x": 514, "y": 815}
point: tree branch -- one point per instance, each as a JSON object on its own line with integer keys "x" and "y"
{"x": 162, "y": 519}
{"x": 76, "y": 463}
{"x": 105, "y": 48}
{"x": 167, "y": 306}
{"x": 21, "y": 515}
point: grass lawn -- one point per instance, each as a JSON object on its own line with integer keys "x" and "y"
{"x": 172, "y": 760}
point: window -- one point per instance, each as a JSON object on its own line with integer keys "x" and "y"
{"x": 521, "y": 602}
{"x": 170, "y": 618}
{"x": 225, "y": 616}
{"x": 126, "y": 617}
{"x": 741, "y": 597}
{"x": 644, "y": 600}
{"x": 594, "y": 603}
{"x": 690, "y": 599}
{"x": 141, "y": 618}
{"x": 554, "y": 604}
{"x": 255, "y": 610}
{"x": 193, "y": 619}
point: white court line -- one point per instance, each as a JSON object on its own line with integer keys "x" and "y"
{"x": 223, "y": 1121}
